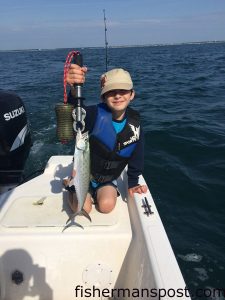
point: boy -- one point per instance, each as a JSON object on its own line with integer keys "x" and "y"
{"x": 116, "y": 139}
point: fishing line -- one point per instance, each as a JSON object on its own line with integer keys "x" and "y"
{"x": 67, "y": 64}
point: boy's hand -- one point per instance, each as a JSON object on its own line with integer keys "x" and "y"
{"x": 76, "y": 74}
{"x": 140, "y": 189}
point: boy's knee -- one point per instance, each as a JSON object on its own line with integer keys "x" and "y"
{"x": 105, "y": 206}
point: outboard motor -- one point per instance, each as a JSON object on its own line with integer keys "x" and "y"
{"x": 15, "y": 139}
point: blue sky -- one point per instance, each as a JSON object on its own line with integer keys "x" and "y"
{"x": 26, "y": 24}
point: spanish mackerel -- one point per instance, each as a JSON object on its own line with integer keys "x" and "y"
{"x": 81, "y": 179}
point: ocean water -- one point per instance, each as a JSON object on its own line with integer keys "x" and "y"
{"x": 180, "y": 93}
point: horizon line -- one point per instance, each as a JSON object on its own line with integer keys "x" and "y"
{"x": 116, "y": 46}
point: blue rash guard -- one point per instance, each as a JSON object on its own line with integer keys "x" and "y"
{"x": 119, "y": 125}
{"x": 136, "y": 161}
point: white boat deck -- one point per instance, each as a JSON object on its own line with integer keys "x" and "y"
{"x": 47, "y": 206}
{"x": 32, "y": 240}
{"x": 125, "y": 249}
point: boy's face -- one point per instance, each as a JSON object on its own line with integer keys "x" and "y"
{"x": 118, "y": 100}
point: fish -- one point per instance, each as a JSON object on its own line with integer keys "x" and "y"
{"x": 82, "y": 176}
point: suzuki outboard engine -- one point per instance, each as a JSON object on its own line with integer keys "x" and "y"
{"x": 15, "y": 139}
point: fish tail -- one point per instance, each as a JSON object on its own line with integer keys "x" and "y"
{"x": 82, "y": 212}
{"x": 70, "y": 224}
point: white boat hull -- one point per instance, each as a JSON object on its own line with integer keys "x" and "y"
{"x": 125, "y": 250}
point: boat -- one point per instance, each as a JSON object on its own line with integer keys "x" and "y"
{"x": 125, "y": 254}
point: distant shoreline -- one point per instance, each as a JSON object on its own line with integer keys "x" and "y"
{"x": 118, "y": 46}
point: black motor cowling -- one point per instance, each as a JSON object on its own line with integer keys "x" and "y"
{"x": 15, "y": 138}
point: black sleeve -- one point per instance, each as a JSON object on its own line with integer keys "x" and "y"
{"x": 136, "y": 162}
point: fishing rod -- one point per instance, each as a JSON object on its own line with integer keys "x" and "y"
{"x": 106, "y": 43}
{"x": 79, "y": 113}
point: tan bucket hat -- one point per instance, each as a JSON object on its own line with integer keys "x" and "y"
{"x": 116, "y": 79}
